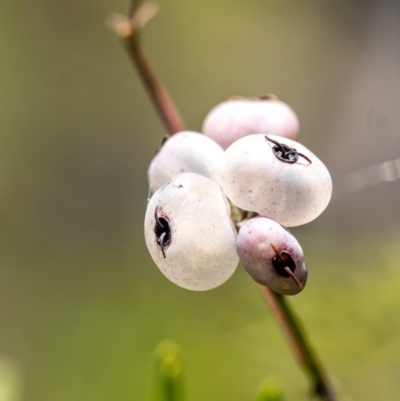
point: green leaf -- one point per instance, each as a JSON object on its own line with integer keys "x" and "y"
{"x": 270, "y": 389}
{"x": 167, "y": 376}
{"x": 10, "y": 381}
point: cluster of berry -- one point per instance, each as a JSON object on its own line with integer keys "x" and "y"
{"x": 247, "y": 155}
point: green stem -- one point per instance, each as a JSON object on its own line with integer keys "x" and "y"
{"x": 301, "y": 347}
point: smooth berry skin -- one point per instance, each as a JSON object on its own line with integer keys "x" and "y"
{"x": 201, "y": 251}
{"x": 256, "y": 244}
{"x": 186, "y": 151}
{"x": 254, "y": 179}
{"x": 236, "y": 118}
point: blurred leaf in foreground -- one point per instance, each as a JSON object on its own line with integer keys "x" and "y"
{"x": 167, "y": 384}
{"x": 270, "y": 389}
{"x": 10, "y": 381}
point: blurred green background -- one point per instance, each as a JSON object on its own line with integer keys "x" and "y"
{"x": 82, "y": 305}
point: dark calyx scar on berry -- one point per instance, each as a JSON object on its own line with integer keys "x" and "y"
{"x": 162, "y": 231}
{"x": 285, "y": 265}
{"x": 285, "y": 153}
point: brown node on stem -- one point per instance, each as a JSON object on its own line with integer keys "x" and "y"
{"x": 139, "y": 16}
{"x": 269, "y": 96}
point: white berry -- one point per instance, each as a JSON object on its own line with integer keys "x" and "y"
{"x": 189, "y": 233}
{"x": 185, "y": 151}
{"x": 255, "y": 179}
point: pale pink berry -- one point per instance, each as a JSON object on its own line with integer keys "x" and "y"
{"x": 236, "y": 118}
{"x": 272, "y": 256}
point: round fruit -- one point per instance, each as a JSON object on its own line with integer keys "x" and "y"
{"x": 272, "y": 256}
{"x": 185, "y": 151}
{"x": 236, "y": 118}
{"x": 189, "y": 233}
{"x": 276, "y": 178}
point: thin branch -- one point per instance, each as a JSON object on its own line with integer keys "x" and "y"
{"x": 128, "y": 30}
{"x": 298, "y": 341}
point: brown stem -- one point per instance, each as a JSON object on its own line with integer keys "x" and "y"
{"x": 128, "y": 30}
{"x": 298, "y": 341}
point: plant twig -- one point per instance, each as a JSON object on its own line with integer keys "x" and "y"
{"x": 298, "y": 341}
{"x": 128, "y": 30}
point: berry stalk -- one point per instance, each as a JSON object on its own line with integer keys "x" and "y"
{"x": 128, "y": 30}
{"x": 300, "y": 345}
